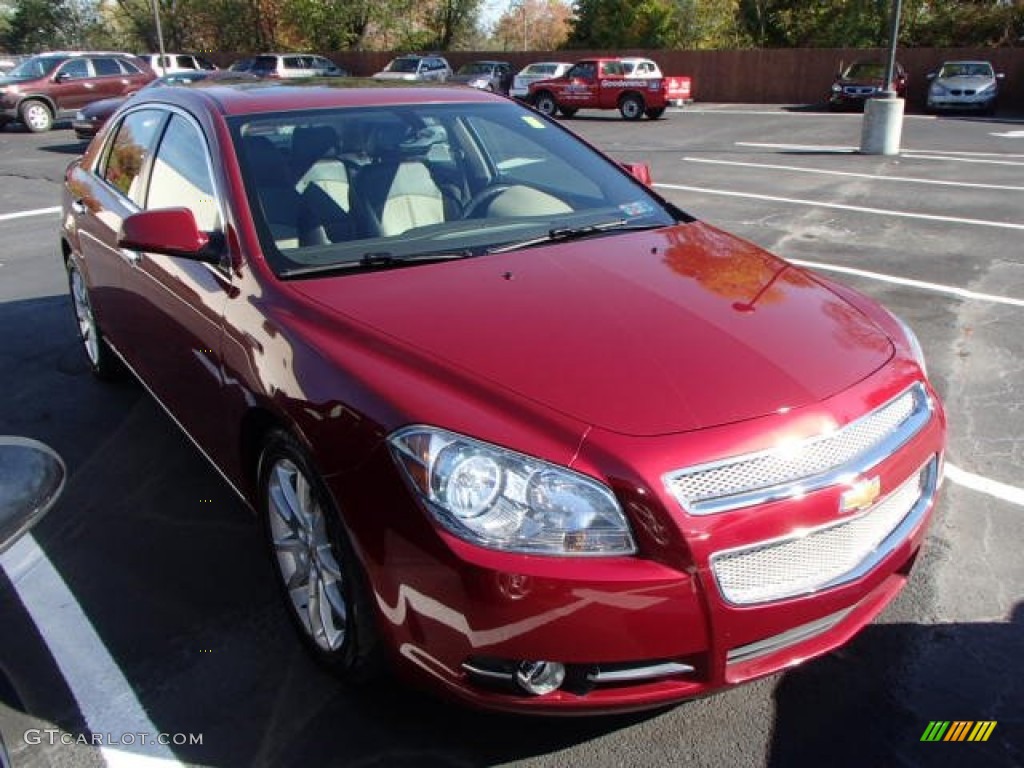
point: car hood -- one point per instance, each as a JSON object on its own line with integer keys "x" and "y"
{"x": 965, "y": 82}
{"x": 469, "y": 78}
{"x": 649, "y": 333}
{"x": 396, "y": 76}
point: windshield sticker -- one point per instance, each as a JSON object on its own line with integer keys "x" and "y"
{"x": 532, "y": 121}
{"x": 638, "y": 208}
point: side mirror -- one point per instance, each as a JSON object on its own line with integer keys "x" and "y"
{"x": 62, "y": 77}
{"x": 172, "y": 232}
{"x": 1000, "y": 75}
{"x": 640, "y": 171}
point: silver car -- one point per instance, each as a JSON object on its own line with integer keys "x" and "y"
{"x": 964, "y": 85}
{"x": 416, "y": 68}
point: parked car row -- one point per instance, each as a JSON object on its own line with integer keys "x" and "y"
{"x": 955, "y": 85}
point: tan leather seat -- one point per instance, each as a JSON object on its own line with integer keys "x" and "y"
{"x": 395, "y": 192}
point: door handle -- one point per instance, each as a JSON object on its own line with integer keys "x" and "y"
{"x": 78, "y": 207}
{"x": 132, "y": 257}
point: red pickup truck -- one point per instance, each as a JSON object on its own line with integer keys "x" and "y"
{"x": 605, "y": 84}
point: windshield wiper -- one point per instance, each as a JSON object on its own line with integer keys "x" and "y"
{"x": 572, "y": 233}
{"x": 376, "y": 260}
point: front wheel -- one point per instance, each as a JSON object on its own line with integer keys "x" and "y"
{"x": 655, "y": 112}
{"x": 102, "y": 361}
{"x": 631, "y": 107}
{"x": 322, "y": 582}
{"x": 36, "y": 116}
{"x": 546, "y": 104}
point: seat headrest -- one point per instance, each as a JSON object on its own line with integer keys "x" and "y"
{"x": 311, "y": 143}
{"x": 266, "y": 164}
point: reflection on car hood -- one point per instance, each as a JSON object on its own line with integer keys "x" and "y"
{"x": 965, "y": 81}
{"x": 644, "y": 333}
{"x": 395, "y": 76}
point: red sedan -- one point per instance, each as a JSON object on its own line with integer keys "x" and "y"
{"x": 514, "y": 424}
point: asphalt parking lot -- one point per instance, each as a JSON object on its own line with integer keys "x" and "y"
{"x": 147, "y": 606}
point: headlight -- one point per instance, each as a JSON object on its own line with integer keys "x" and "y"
{"x": 937, "y": 90}
{"x": 986, "y": 88}
{"x": 79, "y": 115}
{"x": 504, "y": 500}
{"x": 836, "y": 87}
{"x": 915, "y": 345}
{"x": 478, "y": 83}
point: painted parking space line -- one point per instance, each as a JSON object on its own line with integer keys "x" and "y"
{"x": 909, "y": 153}
{"x": 852, "y": 174}
{"x": 951, "y": 290}
{"x": 26, "y": 214}
{"x": 105, "y": 698}
{"x": 975, "y": 160}
{"x": 845, "y": 207}
{"x": 994, "y": 488}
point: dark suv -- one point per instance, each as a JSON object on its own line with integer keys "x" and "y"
{"x": 53, "y": 86}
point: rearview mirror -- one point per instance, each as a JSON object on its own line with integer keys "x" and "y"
{"x": 171, "y": 232}
{"x": 640, "y": 171}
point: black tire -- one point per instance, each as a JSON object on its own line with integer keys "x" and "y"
{"x": 631, "y": 107}
{"x": 287, "y": 478}
{"x": 35, "y": 116}
{"x": 103, "y": 363}
{"x": 654, "y": 112}
{"x": 546, "y": 104}
{"x": 568, "y": 111}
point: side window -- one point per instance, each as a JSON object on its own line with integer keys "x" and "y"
{"x": 75, "y": 69}
{"x": 292, "y": 62}
{"x": 128, "y": 67}
{"x": 131, "y": 146}
{"x": 106, "y": 67}
{"x": 181, "y": 174}
{"x": 185, "y": 62}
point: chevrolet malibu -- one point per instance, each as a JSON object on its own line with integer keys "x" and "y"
{"x": 515, "y": 426}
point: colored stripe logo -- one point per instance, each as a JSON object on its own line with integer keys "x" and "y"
{"x": 958, "y": 730}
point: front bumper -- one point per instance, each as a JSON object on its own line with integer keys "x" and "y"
{"x": 645, "y": 631}
{"x": 953, "y": 102}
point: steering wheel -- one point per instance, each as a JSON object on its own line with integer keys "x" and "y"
{"x": 476, "y": 206}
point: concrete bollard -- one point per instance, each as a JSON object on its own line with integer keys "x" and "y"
{"x": 883, "y": 124}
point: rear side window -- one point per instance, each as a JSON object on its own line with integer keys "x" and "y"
{"x": 265, "y": 63}
{"x": 293, "y": 62}
{"x": 106, "y": 67}
{"x": 185, "y": 62}
{"x": 131, "y": 147}
{"x": 128, "y": 67}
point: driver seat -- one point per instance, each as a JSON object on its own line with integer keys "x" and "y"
{"x": 395, "y": 192}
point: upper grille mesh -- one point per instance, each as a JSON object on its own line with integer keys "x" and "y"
{"x": 753, "y": 472}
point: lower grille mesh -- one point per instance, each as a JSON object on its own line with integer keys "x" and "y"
{"x": 822, "y": 557}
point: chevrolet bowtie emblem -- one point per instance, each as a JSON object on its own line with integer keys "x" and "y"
{"x": 861, "y": 495}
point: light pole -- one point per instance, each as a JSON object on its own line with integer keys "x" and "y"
{"x": 883, "y": 114}
{"x": 524, "y": 25}
{"x": 160, "y": 38}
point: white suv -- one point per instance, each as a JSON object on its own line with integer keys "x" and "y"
{"x": 294, "y": 65}
{"x": 176, "y": 62}
{"x": 416, "y": 67}
{"x": 531, "y": 73}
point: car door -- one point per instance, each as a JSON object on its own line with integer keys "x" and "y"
{"x": 580, "y": 87}
{"x": 75, "y": 86}
{"x": 109, "y": 80}
{"x": 102, "y": 196}
{"x": 176, "y": 304}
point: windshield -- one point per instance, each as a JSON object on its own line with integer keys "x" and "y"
{"x": 865, "y": 70}
{"x": 36, "y": 67}
{"x": 966, "y": 69}
{"x": 475, "y": 68}
{"x": 403, "y": 65}
{"x": 382, "y": 185}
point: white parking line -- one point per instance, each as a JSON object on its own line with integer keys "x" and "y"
{"x": 952, "y": 290}
{"x": 25, "y": 214}
{"x": 105, "y": 698}
{"x": 873, "y": 176}
{"x": 844, "y": 207}
{"x": 910, "y": 153}
{"x": 999, "y": 490}
{"x": 953, "y": 159}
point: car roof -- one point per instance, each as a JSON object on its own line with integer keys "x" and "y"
{"x": 966, "y": 61}
{"x": 257, "y": 97}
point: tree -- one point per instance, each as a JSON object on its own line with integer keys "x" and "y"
{"x": 622, "y": 24}
{"x": 539, "y": 25}
{"x": 37, "y": 25}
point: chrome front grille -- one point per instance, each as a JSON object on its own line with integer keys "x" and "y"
{"x": 824, "y": 557}
{"x": 814, "y": 463}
